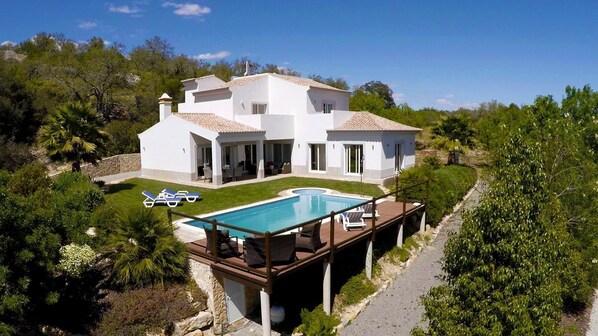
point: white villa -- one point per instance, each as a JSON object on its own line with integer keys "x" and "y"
{"x": 266, "y": 121}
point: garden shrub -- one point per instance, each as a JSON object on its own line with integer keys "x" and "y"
{"x": 447, "y": 186}
{"x": 28, "y": 179}
{"x": 149, "y": 310}
{"x": 433, "y": 162}
{"x": 356, "y": 289}
{"x": 397, "y": 254}
{"x": 145, "y": 251}
{"x": 317, "y": 323}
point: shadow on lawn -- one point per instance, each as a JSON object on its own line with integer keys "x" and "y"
{"x": 114, "y": 188}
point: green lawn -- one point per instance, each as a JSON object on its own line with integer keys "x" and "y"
{"x": 127, "y": 194}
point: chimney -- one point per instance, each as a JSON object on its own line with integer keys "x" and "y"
{"x": 165, "y": 106}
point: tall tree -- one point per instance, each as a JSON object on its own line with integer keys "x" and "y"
{"x": 73, "y": 133}
{"x": 381, "y": 90}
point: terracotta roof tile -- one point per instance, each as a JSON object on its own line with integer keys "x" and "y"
{"x": 366, "y": 121}
{"x": 216, "y": 123}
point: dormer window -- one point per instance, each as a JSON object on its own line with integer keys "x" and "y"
{"x": 327, "y": 107}
{"x": 259, "y": 108}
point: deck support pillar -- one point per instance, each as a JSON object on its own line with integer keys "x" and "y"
{"x": 369, "y": 256}
{"x": 400, "y": 236}
{"x": 422, "y": 223}
{"x": 265, "y": 305}
{"x": 327, "y": 288}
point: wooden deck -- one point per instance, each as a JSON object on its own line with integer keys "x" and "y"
{"x": 234, "y": 268}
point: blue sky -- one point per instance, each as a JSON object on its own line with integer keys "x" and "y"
{"x": 442, "y": 54}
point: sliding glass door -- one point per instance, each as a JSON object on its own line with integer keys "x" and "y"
{"x": 318, "y": 157}
{"x": 353, "y": 155}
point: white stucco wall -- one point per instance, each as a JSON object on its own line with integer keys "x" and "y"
{"x": 244, "y": 96}
{"x": 316, "y": 96}
{"x": 285, "y": 97}
{"x": 165, "y": 148}
{"x": 217, "y": 102}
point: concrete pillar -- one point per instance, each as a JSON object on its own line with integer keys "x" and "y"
{"x": 216, "y": 162}
{"x": 422, "y": 223}
{"x": 400, "y": 236}
{"x": 369, "y": 256}
{"x": 265, "y": 305}
{"x": 165, "y": 106}
{"x": 260, "y": 159}
{"x": 327, "y": 287}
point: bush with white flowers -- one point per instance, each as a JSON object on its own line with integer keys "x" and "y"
{"x": 75, "y": 259}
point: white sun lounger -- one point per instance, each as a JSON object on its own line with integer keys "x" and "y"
{"x": 151, "y": 199}
{"x": 352, "y": 219}
{"x": 188, "y": 196}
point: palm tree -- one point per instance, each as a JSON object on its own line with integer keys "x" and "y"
{"x": 145, "y": 251}
{"x": 72, "y": 133}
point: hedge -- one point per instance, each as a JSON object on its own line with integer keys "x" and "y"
{"x": 448, "y": 186}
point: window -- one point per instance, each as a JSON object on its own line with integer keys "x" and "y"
{"x": 318, "y": 157}
{"x": 353, "y": 159}
{"x": 259, "y": 108}
{"x": 398, "y": 157}
{"x": 327, "y": 107}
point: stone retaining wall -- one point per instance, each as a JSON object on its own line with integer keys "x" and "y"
{"x": 113, "y": 165}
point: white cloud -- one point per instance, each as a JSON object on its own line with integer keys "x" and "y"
{"x": 211, "y": 56}
{"x": 123, "y": 9}
{"x": 448, "y": 102}
{"x": 87, "y": 25}
{"x": 8, "y": 44}
{"x": 187, "y": 9}
{"x": 398, "y": 97}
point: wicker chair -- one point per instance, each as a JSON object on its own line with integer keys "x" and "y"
{"x": 309, "y": 237}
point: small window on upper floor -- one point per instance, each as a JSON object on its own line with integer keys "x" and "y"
{"x": 259, "y": 108}
{"x": 327, "y": 107}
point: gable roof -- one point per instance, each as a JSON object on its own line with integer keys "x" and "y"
{"x": 216, "y": 123}
{"x": 366, "y": 121}
{"x": 242, "y": 81}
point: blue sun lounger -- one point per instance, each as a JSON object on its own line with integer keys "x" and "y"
{"x": 151, "y": 199}
{"x": 188, "y": 196}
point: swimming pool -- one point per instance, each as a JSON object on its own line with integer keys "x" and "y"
{"x": 277, "y": 215}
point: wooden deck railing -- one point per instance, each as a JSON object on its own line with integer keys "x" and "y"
{"x": 268, "y": 271}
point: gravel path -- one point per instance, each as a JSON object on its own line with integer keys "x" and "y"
{"x": 398, "y": 309}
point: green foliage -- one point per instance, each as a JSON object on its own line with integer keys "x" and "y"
{"x": 139, "y": 311}
{"x": 145, "y": 251}
{"x": 454, "y": 133}
{"x": 433, "y": 162}
{"x": 30, "y": 178}
{"x": 380, "y": 90}
{"x": 398, "y": 254}
{"x": 356, "y": 289}
{"x": 34, "y": 224}
{"x": 72, "y": 132}
{"x": 14, "y": 155}
{"x": 317, "y": 323}
{"x": 523, "y": 255}
{"x": 447, "y": 186}
{"x": 123, "y": 136}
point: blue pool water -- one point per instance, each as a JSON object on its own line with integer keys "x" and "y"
{"x": 284, "y": 213}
